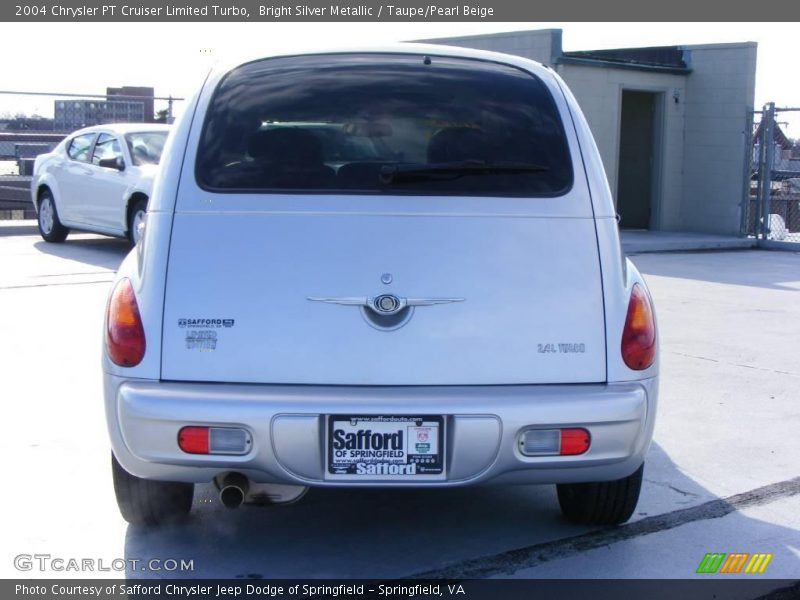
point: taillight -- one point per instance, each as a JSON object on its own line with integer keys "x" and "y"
{"x": 194, "y": 439}
{"x": 639, "y": 335}
{"x": 554, "y": 442}
{"x": 124, "y": 332}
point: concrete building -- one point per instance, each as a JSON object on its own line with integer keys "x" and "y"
{"x": 670, "y": 123}
{"x": 74, "y": 114}
{"x": 133, "y": 92}
{"x": 127, "y": 104}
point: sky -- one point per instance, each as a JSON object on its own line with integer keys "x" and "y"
{"x": 172, "y": 57}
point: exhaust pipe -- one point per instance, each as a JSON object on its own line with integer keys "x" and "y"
{"x": 233, "y": 490}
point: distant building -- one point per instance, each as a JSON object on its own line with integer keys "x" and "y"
{"x": 121, "y": 105}
{"x": 131, "y": 92}
{"x": 784, "y": 163}
{"x": 669, "y": 122}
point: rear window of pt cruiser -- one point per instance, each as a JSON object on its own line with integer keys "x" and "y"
{"x": 383, "y": 124}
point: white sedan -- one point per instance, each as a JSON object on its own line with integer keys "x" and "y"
{"x": 98, "y": 179}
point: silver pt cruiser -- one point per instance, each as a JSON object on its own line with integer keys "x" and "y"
{"x": 386, "y": 267}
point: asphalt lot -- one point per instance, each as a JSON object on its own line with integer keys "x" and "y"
{"x": 722, "y": 474}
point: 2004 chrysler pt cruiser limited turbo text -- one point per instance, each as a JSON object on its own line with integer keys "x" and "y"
{"x": 392, "y": 267}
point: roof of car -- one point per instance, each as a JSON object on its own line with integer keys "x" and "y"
{"x": 123, "y": 128}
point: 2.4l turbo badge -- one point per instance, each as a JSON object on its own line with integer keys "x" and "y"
{"x": 561, "y": 348}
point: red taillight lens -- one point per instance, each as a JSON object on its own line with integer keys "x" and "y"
{"x": 124, "y": 332}
{"x": 574, "y": 441}
{"x": 639, "y": 335}
{"x": 193, "y": 440}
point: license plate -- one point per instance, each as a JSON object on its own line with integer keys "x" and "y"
{"x": 371, "y": 446}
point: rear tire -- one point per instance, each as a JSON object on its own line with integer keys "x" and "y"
{"x": 135, "y": 218}
{"x": 148, "y": 502}
{"x": 601, "y": 503}
{"x": 50, "y": 227}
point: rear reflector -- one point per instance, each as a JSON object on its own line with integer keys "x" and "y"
{"x": 554, "y": 442}
{"x": 193, "y": 440}
{"x": 574, "y": 441}
{"x": 214, "y": 440}
{"x": 639, "y": 335}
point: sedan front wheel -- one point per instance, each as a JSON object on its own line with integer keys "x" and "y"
{"x": 50, "y": 227}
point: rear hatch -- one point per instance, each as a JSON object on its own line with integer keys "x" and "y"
{"x": 449, "y": 195}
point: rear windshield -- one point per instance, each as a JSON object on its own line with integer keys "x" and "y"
{"x": 383, "y": 124}
{"x": 146, "y": 146}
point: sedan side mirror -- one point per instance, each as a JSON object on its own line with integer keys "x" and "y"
{"x": 112, "y": 163}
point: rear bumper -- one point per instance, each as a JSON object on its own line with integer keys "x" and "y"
{"x": 287, "y": 426}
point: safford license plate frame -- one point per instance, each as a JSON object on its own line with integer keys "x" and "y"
{"x": 386, "y": 446}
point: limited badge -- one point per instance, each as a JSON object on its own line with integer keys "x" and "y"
{"x": 205, "y": 341}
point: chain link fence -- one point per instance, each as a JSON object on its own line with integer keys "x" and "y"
{"x": 772, "y": 208}
{"x": 33, "y": 123}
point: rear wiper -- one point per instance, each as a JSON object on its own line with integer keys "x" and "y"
{"x": 453, "y": 170}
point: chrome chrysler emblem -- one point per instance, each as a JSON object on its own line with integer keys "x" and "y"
{"x": 385, "y": 304}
